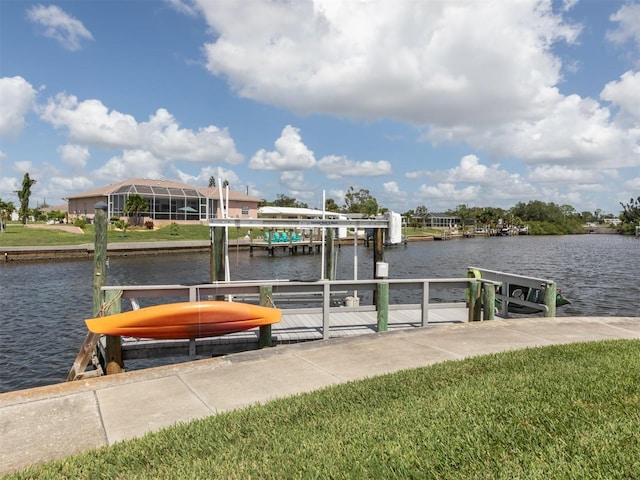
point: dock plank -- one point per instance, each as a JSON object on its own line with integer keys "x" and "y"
{"x": 297, "y": 325}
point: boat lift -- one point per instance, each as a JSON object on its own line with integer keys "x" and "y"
{"x": 220, "y": 256}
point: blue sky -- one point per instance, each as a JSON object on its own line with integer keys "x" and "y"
{"x": 433, "y": 103}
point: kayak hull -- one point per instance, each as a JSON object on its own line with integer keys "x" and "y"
{"x": 185, "y": 320}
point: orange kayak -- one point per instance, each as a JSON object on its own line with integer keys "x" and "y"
{"x": 185, "y": 320}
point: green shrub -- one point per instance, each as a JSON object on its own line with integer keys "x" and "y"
{"x": 80, "y": 222}
{"x": 174, "y": 229}
{"x": 123, "y": 225}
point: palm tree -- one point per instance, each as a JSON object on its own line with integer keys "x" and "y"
{"x": 24, "y": 195}
{"x": 134, "y": 205}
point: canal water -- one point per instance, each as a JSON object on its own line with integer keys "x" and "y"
{"x": 43, "y": 304}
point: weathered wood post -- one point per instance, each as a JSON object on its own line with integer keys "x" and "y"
{"x": 212, "y": 264}
{"x": 331, "y": 254}
{"x": 113, "y": 345}
{"x": 217, "y": 259}
{"x": 99, "y": 255}
{"x": 217, "y": 272}
{"x": 266, "y": 300}
{"x": 474, "y": 296}
{"x": 488, "y": 301}
{"x": 550, "y": 300}
{"x": 382, "y": 306}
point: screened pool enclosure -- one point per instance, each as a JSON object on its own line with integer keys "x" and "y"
{"x": 165, "y": 203}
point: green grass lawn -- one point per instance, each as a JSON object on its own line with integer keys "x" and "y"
{"x": 556, "y": 412}
{"x": 18, "y": 235}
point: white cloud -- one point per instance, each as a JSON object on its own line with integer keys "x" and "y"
{"x": 23, "y": 166}
{"x": 573, "y": 131}
{"x": 17, "y": 98}
{"x": 294, "y": 181}
{"x": 131, "y": 164}
{"x": 9, "y": 185}
{"x": 91, "y": 123}
{"x": 448, "y": 193}
{"x": 63, "y": 185}
{"x": 59, "y": 25}
{"x": 74, "y": 155}
{"x": 470, "y": 170}
{"x": 334, "y": 166}
{"x": 420, "y": 62}
{"x": 393, "y": 196}
{"x": 564, "y": 175}
{"x": 183, "y": 7}
{"x": 633, "y": 184}
{"x": 337, "y": 195}
{"x": 218, "y": 173}
{"x": 481, "y": 73}
{"x": 392, "y": 187}
{"x": 628, "y": 18}
{"x": 625, "y": 95}
{"x": 290, "y": 154}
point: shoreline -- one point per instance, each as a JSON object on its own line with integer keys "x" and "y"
{"x": 85, "y": 250}
{"x": 66, "y": 252}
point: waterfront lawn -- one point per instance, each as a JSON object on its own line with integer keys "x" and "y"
{"x": 418, "y": 231}
{"x": 20, "y": 236}
{"x": 569, "y": 411}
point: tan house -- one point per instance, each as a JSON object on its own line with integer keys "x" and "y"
{"x": 168, "y": 201}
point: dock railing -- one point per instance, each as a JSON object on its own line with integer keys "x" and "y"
{"x": 268, "y": 292}
{"x": 323, "y": 290}
{"x": 548, "y": 287}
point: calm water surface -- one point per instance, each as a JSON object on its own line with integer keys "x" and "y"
{"x": 43, "y": 304}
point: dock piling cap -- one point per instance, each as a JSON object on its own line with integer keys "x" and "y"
{"x": 100, "y": 206}
{"x": 473, "y": 273}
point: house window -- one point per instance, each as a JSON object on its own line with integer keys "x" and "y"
{"x": 245, "y": 210}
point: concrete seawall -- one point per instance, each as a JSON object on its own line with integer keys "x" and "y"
{"x": 61, "y": 252}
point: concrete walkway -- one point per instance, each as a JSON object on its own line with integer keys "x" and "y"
{"x": 52, "y": 422}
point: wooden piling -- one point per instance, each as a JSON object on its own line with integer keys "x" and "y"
{"x": 382, "y": 306}
{"x": 266, "y": 300}
{"x": 550, "y": 300}
{"x": 330, "y": 254}
{"x": 212, "y": 264}
{"x": 113, "y": 345}
{"x": 488, "y": 301}
{"x": 104, "y": 305}
{"x": 99, "y": 256}
{"x": 217, "y": 273}
{"x": 473, "y": 295}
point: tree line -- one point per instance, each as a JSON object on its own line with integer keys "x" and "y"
{"x": 360, "y": 201}
{"x": 541, "y": 217}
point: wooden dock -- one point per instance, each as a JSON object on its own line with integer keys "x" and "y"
{"x": 297, "y": 325}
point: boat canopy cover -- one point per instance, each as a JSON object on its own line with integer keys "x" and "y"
{"x": 294, "y": 212}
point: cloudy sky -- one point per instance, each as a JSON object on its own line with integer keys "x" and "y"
{"x": 433, "y": 102}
